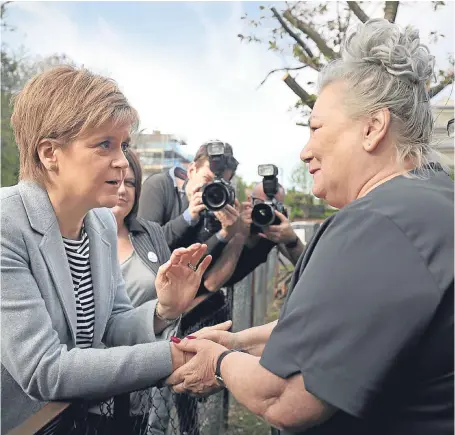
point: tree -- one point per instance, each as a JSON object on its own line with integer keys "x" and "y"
{"x": 241, "y": 188}
{"x": 16, "y": 69}
{"x": 312, "y": 34}
{"x": 301, "y": 178}
{"x": 9, "y": 76}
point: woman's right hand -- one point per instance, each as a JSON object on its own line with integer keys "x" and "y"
{"x": 177, "y": 283}
{"x": 219, "y": 334}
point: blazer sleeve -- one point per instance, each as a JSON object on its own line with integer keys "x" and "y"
{"x": 44, "y": 367}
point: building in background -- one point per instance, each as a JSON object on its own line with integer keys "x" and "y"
{"x": 159, "y": 152}
{"x": 443, "y": 112}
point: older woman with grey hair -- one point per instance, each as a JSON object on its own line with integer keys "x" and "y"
{"x": 364, "y": 342}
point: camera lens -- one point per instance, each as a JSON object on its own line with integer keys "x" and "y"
{"x": 263, "y": 215}
{"x": 215, "y": 196}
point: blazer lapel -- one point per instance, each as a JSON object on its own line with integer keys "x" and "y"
{"x": 102, "y": 273}
{"x": 150, "y": 256}
{"x": 43, "y": 220}
{"x": 54, "y": 254}
{"x": 142, "y": 240}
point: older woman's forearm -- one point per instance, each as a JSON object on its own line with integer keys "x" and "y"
{"x": 251, "y": 384}
{"x": 224, "y": 267}
{"x": 271, "y": 397}
{"x": 253, "y": 340}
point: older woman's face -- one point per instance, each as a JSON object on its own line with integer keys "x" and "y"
{"x": 91, "y": 168}
{"x": 126, "y": 196}
{"x": 334, "y": 150}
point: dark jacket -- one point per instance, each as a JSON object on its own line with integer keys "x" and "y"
{"x": 148, "y": 237}
{"x": 161, "y": 202}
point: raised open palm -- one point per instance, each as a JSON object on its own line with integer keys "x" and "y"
{"x": 177, "y": 283}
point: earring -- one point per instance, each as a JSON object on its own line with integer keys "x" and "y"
{"x": 52, "y": 168}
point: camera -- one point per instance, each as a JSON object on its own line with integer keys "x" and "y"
{"x": 219, "y": 193}
{"x": 263, "y": 214}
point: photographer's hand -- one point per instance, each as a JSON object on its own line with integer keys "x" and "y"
{"x": 245, "y": 218}
{"x": 228, "y": 218}
{"x": 196, "y": 205}
{"x": 282, "y": 233}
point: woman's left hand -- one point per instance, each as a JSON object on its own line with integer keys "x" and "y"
{"x": 177, "y": 283}
{"x": 197, "y": 376}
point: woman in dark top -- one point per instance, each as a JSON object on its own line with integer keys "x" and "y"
{"x": 142, "y": 248}
{"x": 364, "y": 343}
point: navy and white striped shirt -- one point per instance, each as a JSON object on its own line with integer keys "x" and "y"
{"x": 77, "y": 252}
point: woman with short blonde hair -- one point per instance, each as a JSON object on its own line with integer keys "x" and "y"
{"x": 63, "y": 295}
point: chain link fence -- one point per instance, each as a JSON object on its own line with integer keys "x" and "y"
{"x": 159, "y": 411}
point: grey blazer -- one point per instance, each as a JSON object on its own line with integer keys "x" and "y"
{"x": 38, "y": 313}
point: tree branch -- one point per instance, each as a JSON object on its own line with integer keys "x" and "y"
{"x": 440, "y": 86}
{"x": 390, "y": 10}
{"x": 312, "y": 34}
{"x": 358, "y": 11}
{"x": 292, "y": 33}
{"x": 281, "y": 69}
{"x": 307, "y": 99}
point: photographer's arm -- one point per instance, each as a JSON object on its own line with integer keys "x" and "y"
{"x": 152, "y": 204}
{"x": 217, "y": 243}
{"x": 250, "y": 259}
{"x": 225, "y": 266}
{"x": 294, "y": 252}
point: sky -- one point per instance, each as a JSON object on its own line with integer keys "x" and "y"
{"x": 184, "y": 69}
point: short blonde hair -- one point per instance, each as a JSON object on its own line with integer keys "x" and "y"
{"x": 61, "y": 104}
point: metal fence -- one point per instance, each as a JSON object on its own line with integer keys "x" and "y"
{"x": 159, "y": 411}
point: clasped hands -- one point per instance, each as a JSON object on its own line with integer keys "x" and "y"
{"x": 194, "y": 359}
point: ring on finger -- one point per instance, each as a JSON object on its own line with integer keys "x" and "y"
{"x": 192, "y": 267}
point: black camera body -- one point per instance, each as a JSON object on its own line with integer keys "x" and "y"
{"x": 218, "y": 193}
{"x": 263, "y": 213}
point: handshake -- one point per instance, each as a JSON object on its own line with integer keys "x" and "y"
{"x": 194, "y": 359}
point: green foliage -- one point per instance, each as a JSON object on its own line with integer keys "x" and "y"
{"x": 241, "y": 189}
{"x": 10, "y": 155}
{"x": 16, "y": 70}
{"x": 301, "y": 178}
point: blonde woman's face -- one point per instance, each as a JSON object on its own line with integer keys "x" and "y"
{"x": 91, "y": 169}
{"x": 334, "y": 152}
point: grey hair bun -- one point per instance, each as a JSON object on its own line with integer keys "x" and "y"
{"x": 383, "y": 43}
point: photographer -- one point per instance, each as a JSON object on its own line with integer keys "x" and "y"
{"x": 253, "y": 243}
{"x": 174, "y": 200}
{"x": 178, "y": 201}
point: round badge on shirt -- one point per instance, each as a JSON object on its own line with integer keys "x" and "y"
{"x": 152, "y": 257}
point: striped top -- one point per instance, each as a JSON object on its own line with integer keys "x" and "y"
{"x": 77, "y": 252}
